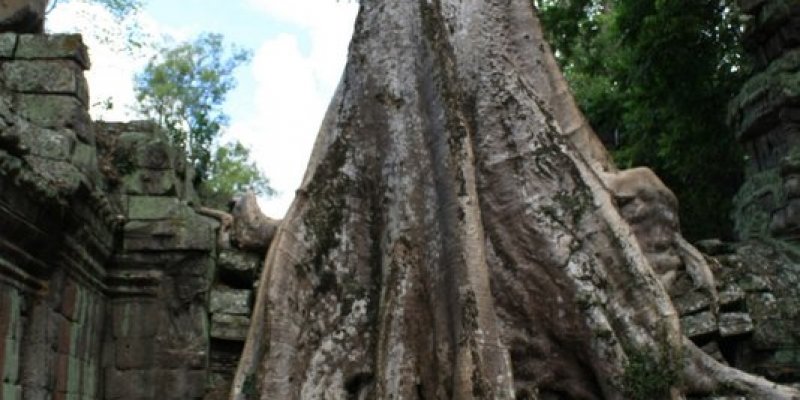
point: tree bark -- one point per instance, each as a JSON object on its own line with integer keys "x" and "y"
{"x": 454, "y": 236}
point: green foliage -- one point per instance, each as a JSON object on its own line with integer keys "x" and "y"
{"x": 120, "y": 8}
{"x": 647, "y": 377}
{"x": 184, "y": 89}
{"x": 654, "y": 78}
{"x": 232, "y": 172}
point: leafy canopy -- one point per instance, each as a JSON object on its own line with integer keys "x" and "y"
{"x": 232, "y": 172}
{"x": 654, "y": 78}
{"x": 119, "y": 8}
{"x": 184, "y": 89}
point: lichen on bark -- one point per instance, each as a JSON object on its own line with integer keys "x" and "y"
{"x": 467, "y": 227}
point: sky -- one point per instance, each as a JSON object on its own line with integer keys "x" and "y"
{"x": 299, "y": 50}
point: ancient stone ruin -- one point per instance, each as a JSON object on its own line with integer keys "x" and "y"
{"x": 114, "y": 283}
{"x": 461, "y": 233}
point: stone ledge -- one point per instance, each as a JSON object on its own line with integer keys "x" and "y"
{"x": 49, "y": 47}
{"x": 60, "y": 77}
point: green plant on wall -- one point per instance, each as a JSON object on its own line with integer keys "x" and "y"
{"x": 648, "y": 376}
{"x": 654, "y": 78}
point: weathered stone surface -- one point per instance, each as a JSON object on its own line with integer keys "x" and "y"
{"x": 63, "y": 176}
{"x": 229, "y": 327}
{"x": 23, "y": 16}
{"x": 699, "y": 325}
{"x": 146, "y": 148}
{"x": 132, "y": 384}
{"x": 56, "y": 245}
{"x": 731, "y": 295}
{"x": 252, "y": 230}
{"x": 713, "y": 247}
{"x": 48, "y": 47}
{"x": 181, "y": 384}
{"x": 183, "y": 358}
{"x": 692, "y": 302}
{"x": 773, "y": 334}
{"x": 225, "y": 300}
{"x": 150, "y": 182}
{"x": 12, "y": 391}
{"x": 8, "y": 43}
{"x": 134, "y": 353}
{"x": 754, "y": 283}
{"x": 762, "y": 305}
{"x": 238, "y": 267}
{"x": 155, "y": 208}
{"x": 84, "y": 157}
{"x": 732, "y": 324}
{"x": 56, "y": 112}
{"x": 125, "y": 319}
{"x": 49, "y": 143}
{"x": 712, "y": 349}
{"x": 156, "y": 154}
{"x": 191, "y": 233}
{"x": 764, "y": 118}
{"x": 791, "y": 186}
{"x": 46, "y": 77}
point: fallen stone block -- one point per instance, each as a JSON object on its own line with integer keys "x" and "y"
{"x": 699, "y": 325}
{"x": 692, "y": 302}
{"x": 229, "y": 327}
{"x": 230, "y": 301}
{"x": 734, "y": 324}
{"x": 46, "y": 77}
{"x": 52, "y": 47}
{"x": 238, "y": 268}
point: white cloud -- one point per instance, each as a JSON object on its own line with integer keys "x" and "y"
{"x": 114, "y": 60}
{"x": 289, "y": 106}
{"x": 294, "y": 83}
{"x": 294, "y": 89}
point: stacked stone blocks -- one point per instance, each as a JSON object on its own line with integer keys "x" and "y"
{"x": 158, "y": 345}
{"x": 106, "y": 265}
{"x": 766, "y": 118}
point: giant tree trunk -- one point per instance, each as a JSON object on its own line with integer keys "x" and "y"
{"x": 454, "y": 238}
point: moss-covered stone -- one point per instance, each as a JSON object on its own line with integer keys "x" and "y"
{"x": 61, "y": 176}
{"x": 48, "y": 143}
{"x": 648, "y": 376}
{"x": 238, "y": 267}
{"x": 188, "y": 233}
{"x": 46, "y": 77}
{"x": 759, "y": 196}
{"x": 734, "y": 324}
{"x": 225, "y": 300}
{"x": 698, "y": 325}
{"x": 229, "y": 327}
{"x": 48, "y": 47}
{"x": 154, "y": 208}
{"x": 765, "y": 93}
{"x": 8, "y": 43}
{"x": 150, "y": 183}
{"x": 56, "y": 112}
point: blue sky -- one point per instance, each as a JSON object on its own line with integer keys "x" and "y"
{"x": 299, "y": 49}
{"x": 242, "y": 23}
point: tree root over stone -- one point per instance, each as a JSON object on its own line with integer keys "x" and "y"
{"x": 453, "y": 237}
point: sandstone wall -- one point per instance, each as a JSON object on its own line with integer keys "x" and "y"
{"x": 766, "y": 118}
{"x": 56, "y": 225}
{"x": 109, "y": 286}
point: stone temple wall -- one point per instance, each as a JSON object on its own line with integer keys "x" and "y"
{"x": 56, "y": 226}
{"x": 114, "y": 282}
{"x": 766, "y": 118}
